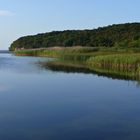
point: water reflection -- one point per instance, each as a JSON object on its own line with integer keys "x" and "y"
{"x": 11, "y": 63}
{"x": 41, "y": 104}
{"x": 69, "y": 67}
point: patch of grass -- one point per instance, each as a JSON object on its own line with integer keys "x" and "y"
{"x": 119, "y": 62}
{"x": 74, "y": 53}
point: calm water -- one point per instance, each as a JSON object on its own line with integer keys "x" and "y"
{"x": 39, "y": 104}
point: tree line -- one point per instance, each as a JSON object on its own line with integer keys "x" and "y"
{"x": 117, "y": 35}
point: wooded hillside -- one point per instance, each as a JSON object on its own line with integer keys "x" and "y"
{"x": 121, "y": 35}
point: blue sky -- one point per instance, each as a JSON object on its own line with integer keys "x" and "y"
{"x": 25, "y": 17}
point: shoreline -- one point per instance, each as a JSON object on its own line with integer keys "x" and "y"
{"x": 121, "y": 62}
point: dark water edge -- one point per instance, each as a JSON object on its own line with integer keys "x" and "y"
{"x": 77, "y": 67}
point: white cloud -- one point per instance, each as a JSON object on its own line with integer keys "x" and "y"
{"x": 6, "y": 13}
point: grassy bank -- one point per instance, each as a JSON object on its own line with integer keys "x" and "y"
{"x": 123, "y": 62}
{"x": 74, "y": 53}
{"x": 119, "y": 62}
{"x": 124, "y": 65}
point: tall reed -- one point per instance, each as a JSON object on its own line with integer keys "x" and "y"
{"x": 120, "y": 62}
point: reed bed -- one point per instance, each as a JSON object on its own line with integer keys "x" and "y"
{"x": 74, "y": 53}
{"x": 119, "y": 62}
{"x": 110, "y": 61}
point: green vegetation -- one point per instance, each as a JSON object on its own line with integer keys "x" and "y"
{"x": 114, "y": 50}
{"x": 121, "y": 35}
{"x": 119, "y": 62}
{"x": 123, "y": 64}
{"x": 110, "y": 61}
{"x": 73, "y": 53}
{"x": 71, "y": 66}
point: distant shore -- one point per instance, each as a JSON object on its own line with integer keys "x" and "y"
{"x": 111, "y": 49}
{"x": 4, "y": 51}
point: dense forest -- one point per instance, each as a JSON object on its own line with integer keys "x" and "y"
{"x": 120, "y": 35}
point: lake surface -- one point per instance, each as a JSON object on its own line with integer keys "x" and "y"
{"x": 40, "y": 104}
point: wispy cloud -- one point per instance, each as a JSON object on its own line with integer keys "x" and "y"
{"x": 6, "y": 13}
